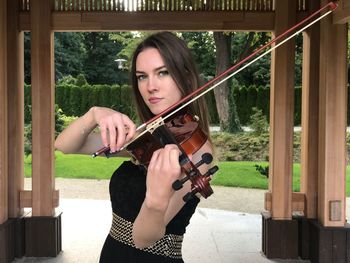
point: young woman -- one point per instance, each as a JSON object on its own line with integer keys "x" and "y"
{"x": 149, "y": 217}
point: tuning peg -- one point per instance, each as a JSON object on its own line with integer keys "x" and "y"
{"x": 211, "y": 171}
{"x": 207, "y": 158}
{"x": 178, "y": 184}
{"x": 187, "y": 197}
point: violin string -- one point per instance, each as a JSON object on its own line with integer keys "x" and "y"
{"x": 246, "y": 65}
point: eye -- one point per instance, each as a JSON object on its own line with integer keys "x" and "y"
{"x": 141, "y": 77}
{"x": 163, "y": 73}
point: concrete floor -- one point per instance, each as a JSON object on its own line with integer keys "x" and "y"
{"x": 214, "y": 236}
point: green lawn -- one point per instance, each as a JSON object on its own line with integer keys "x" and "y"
{"x": 237, "y": 174}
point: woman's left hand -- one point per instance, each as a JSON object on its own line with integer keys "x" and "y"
{"x": 163, "y": 170}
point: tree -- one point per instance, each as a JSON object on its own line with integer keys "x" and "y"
{"x": 225, "y": 104}
{"x": 69, "y": 54}
{"x": 27, "y": 67}
{"x": 234, "y": 47}
{"x": 203, "y": 49}
{"x": 99, "y": 65}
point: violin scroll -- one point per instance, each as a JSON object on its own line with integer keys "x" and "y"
{"x": 201, "y": 185}
{"x": 199, "y": 182}
{"x": 207, "y": 158}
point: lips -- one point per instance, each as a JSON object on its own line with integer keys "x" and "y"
{"x": 154, "y": 100}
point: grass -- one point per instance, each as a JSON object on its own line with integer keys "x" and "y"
{"x": 243, "y": 174}
{"x": 79, "y": 166}
{"x": 234, "y": 174}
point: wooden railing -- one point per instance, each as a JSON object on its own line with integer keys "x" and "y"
{"x": 162, "y": 5}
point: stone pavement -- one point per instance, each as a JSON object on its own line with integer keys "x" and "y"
{"x": 225, "y": 228}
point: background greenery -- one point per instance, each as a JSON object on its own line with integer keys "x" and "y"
{"x": 75, "y": 97}
{"x": 233, "y": 174}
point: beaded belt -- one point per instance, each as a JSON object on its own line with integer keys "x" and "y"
{"x": 168, "y": 246}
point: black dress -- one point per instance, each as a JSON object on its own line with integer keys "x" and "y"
{"x": 127, "y": 192}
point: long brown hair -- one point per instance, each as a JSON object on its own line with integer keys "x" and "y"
{"x": 180, "y": 64}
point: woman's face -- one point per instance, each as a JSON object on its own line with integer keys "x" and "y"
{"x": 157, "y": 87}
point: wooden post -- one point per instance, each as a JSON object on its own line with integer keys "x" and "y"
{"x": 332, "y": 129}
{"x": 42, "y": 65}
{"x": 5, "y": 225}
{"x": 309, "y": 120}
{"x": 282, "y": 116}
{"x": 309, "y": 134}
{"x": 15, "y": 84}
{"x": 3, "y": 114}
{"x": 279, "y": 231}
{"x": 39, "y": 243}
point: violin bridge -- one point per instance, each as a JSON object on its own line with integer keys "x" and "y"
{"x": 155, "y": 124}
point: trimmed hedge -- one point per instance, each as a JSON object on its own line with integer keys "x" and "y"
{"x": 75, "y": 100}
{"x": 247, "y": 98}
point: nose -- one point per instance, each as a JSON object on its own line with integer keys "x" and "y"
{"x": 152, "y": 85}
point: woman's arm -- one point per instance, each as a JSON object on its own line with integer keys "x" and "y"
{"x": 162, "y": 203}
{"x": 115, "y": 129}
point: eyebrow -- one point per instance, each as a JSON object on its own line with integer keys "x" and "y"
{"x": 156, "y": 69}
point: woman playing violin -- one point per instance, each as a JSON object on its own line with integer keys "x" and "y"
{"x": 149, "y": 217}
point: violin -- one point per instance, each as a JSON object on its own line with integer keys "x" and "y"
{"x": 184, "y": 131}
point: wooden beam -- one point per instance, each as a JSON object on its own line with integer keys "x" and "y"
{"x": 15, "y": 83}
{"x": 3, "y": 114}
{"x": 42, "y": 65}
{"x": 332, "y": 128}
{"x": 298, "y": 202}
{"x": 282, "y": 115}
{"x": 143, "y": 21}
{"x": 309, "y": 115}
{"x": 342, "y": 14}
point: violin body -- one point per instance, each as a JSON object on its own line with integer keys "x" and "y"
{"x": 184, "y": 131}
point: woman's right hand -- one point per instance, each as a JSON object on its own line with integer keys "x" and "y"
{"x": 116, "y": 128}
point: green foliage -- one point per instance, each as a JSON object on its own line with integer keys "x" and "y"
{"x": 67, "y": 120}
{"x": 76, "y": 100}
{"x": 129, "y": 41}
{"x": 67, "y": 80}
{"x": 258, "y": 122}
{"x": 69, "y": 54}
{"x": 241, "y": 146}
{"x": 81, "y": 80}
{"x": 263, "y": 170}
{"x": 249, "y": 146}
{"x": 27, "y": 104}
{"x": 27, "y": 139}
{"x": 27, "y": 57}
{"x": 59, "y": 126}
{"x": 99, "y": 64}
{"x": 59, "y": 122}
{"x": 234, "y": 124}
{"x": 203, "y": 49}
{"x": 211, "y": 104}
{"x": 243, "y": 44}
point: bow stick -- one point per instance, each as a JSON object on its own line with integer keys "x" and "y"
{"x": 230, "y": 71}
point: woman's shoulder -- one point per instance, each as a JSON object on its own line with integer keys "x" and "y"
{"x": 128, "y": 166}
{"x": 206, "y": 148}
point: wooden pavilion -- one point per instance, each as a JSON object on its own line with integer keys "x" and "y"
{"x": 320, "y": 233}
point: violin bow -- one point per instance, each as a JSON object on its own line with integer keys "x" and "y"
{"x": 235, "y": 69}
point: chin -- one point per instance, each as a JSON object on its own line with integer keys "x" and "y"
{"x": 157, "y": 110}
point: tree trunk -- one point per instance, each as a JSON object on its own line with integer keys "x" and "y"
{"x": 222, "y": 93}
